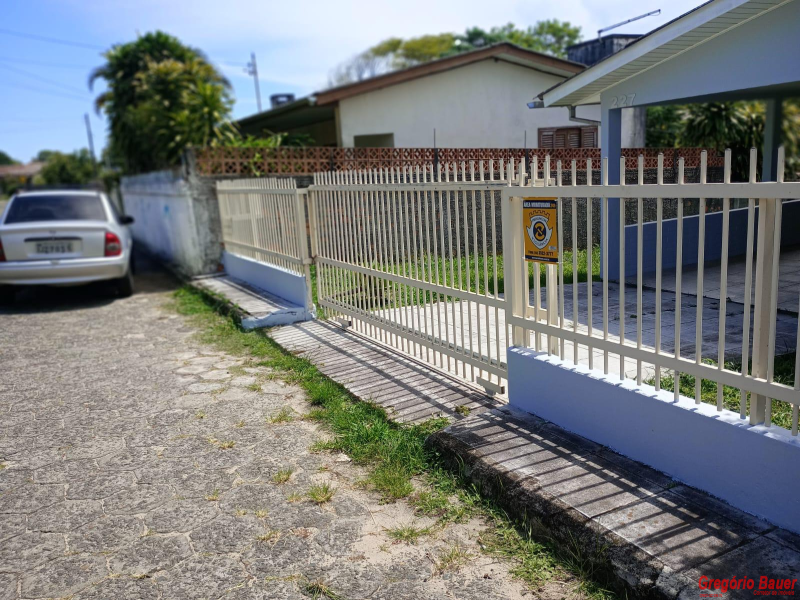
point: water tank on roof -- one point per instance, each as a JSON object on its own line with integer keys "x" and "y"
{"x": 593, "y": 51}
{"x": 277, "y": 100}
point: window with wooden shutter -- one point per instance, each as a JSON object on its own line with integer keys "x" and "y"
{"x": 573, "y": 138}
{"x": 589, "y": 137}
{"x": 546, "y": 138}
{"x": 568, "y": 137}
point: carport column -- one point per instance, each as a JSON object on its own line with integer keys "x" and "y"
{"x": 772, "y": 138}
{"x": 611, "y": 148}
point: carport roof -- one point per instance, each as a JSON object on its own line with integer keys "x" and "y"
{"x": 692, "y": 29}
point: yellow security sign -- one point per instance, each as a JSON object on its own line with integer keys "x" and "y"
{"x": 540, "y": 220}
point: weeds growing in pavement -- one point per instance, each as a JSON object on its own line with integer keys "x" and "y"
{"x": 282, "y": 476}
{"x": 321, "y": 493}
{"x": 317, "y": 589}
{"x": 394, "y": 454}
{"x": 451, "y": 559}
{"x": 284, "y": 415}
{"x": 407, "y": 533}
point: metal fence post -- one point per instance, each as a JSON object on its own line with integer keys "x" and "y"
{"x": 762, "y": 309}
{"x": 513, "y": 261}
{"x": 551, "y": 284}
{"x": 303, "y": 233}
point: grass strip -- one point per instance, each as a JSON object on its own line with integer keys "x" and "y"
{"x": 394, "y": 453}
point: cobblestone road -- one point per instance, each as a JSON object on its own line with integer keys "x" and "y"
{"x": 136, "y": 463}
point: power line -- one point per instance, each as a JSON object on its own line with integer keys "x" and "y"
{"x": 42, "y": 38}
{"x": 36, "y": 129}
{"x": 48, "y": 92}
{"x": 42, "y": 63}
{"x": 46, "y": 80}
{"x": 51, "y": 40}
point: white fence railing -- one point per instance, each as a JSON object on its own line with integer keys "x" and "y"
{"x": 708, "y": 322}
{"x": 686, "y": 290}
{"x": 412, "y": 258}
{"x": 265, "y": 219}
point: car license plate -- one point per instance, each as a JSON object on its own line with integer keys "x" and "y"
{"x": 54, "y": 247}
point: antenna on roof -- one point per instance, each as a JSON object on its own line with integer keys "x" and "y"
{"x": 650, "y": 14}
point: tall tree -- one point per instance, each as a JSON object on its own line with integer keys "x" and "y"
{"x": 550, "y": 36}
{"x": 44, "y": 155}
{"x": 5, "y": 159}
{"x": 162, "y": 97}
{"x": 68, "y": 169}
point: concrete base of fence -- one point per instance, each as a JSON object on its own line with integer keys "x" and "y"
{"x": 278, "y": 282}
{"x": 751, "y": 467}
{"x": 254, "y": 308}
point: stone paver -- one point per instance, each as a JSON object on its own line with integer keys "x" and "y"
{"x": 137, "y": 463}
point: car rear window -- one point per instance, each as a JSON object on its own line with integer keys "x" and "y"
{"x": 56, "y": 207}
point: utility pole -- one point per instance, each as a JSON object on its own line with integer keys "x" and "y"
{"x": 91, "y": 141}
{"x": 252, "y": 69}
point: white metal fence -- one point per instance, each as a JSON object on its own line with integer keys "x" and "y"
{"x": 698, "y": 340}
{"x": 432, "y": 264}
{"x": 413, "y": 259}
{"x": 265, "y": 219}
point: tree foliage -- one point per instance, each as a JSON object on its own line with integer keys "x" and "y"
{"x": 75, "y": 168}
{"x": 663, "y": 126}
{"x": 5, "y": 159}
{"x": 271, "y": 140}
{"x": 44, "y": 155}
{"x": 721, "y": 125}
{"x": 162, "y": 96}
{"x": 550, "y": 36}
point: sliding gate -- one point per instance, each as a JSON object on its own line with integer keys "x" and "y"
{"x": 413, "y": 259}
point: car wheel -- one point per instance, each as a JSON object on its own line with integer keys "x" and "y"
{"x": 7, "y": 295}
{"x": 124, "y": 285}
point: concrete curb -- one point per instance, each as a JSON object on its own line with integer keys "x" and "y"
{"x": 253, "y": 308}
{"x": 492, "y": 461}
{"x": 523, "y": 499}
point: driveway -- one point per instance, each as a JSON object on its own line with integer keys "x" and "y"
{"x": 137, "y": 463}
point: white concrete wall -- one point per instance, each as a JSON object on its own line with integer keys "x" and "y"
{"x": 750, "y": 466}
{"x": 165, "y": 224}
{"x": 278, "y": 282}
{"x": 481, "y": 105}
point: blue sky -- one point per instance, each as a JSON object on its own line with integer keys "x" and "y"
{"x": 44, "y": 92}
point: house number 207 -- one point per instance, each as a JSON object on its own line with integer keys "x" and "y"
{"x": 622, "y": 101}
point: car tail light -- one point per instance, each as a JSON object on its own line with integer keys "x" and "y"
{"x": 113, "y": 245}
{"x": 2, "y": 254}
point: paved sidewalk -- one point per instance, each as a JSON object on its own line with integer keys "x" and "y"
{"x": 655, "y": 534}
{"x": 136, "y": 463}
{"x": 409, "y": 390}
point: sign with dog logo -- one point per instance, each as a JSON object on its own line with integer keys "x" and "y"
{"x": 540, "y": 220}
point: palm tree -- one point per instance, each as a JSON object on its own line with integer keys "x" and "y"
{"x": 162, "y": 96}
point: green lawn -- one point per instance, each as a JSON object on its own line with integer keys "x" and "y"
{"x": 474, "y": 273}
{"x": 781, "y": 411}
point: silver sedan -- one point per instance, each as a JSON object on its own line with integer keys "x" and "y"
{"x": 63, "y": 238}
